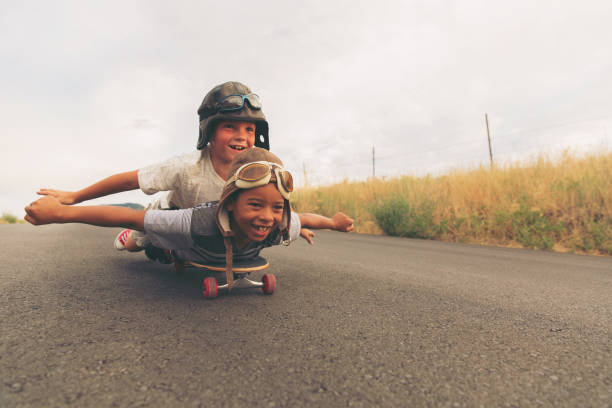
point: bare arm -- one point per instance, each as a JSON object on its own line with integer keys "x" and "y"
{"x": 339, "y": 222}
{"x": 110, "y": 185}
{"x": 49, "y": 210}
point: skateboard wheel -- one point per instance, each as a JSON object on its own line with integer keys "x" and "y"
{"x": 269, "y": 283}
{"x": 210, "y": 288}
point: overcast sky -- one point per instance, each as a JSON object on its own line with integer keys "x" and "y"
{"x": 89, "y": 89}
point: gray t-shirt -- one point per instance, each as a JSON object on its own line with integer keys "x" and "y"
{"x": 194, "y": 236}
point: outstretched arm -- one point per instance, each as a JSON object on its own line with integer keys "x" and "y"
{"x": 110, "y": 185}
{"x": 339, "y": 222}
{"x": 49, "y": 210}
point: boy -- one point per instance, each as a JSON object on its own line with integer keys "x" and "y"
{"x": 252, "y": 213}
{"x": 231, "y": 120}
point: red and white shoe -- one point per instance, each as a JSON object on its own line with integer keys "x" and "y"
{"x": 121, "y": 239}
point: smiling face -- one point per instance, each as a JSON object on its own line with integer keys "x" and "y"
{"x": 254, "y": 213}
{"x": 231, "y": 138}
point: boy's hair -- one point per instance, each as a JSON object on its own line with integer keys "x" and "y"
{"x": 230, "y": 191}
{"x": 210, "y": 114}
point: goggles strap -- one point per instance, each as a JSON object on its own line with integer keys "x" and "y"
{"x": 279, "y": 183}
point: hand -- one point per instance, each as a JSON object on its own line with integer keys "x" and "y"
{"x": 342, "y": 222}
{"x": 307, "y": 235}
{"x": 45, "y": 210}
{"x": 64, "y": 197}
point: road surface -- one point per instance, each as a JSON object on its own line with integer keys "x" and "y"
{"x": 357, "y": 320}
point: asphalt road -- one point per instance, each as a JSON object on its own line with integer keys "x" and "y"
{"x": 356, "y": 321}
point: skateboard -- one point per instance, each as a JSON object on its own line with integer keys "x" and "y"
{"x": 241, "y": 272}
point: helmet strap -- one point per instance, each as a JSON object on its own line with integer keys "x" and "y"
{"x": 229, "y": 258}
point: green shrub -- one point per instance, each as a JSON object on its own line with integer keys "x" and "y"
{"x": 396, "y": 217}
{"x": 597, "y": 236}
{"x": 533, "y": 230}
{"x": 389, "y": 215}
{"x": 9, "y": 218}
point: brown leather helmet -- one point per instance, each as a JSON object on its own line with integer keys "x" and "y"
{"x": 220, "y": 104}
{"x": 254, "y": 155}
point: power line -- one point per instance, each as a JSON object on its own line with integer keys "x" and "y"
{"x": 421, "y": 152}
{"x": 501, "y": 136}
{"x": 553, "y": 126}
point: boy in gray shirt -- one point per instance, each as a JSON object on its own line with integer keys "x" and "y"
{"x": 252, "y": 213}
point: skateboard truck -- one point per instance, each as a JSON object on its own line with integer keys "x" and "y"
{"x": 241, "y": 271}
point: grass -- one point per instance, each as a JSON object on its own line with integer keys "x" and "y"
{"x": 563, "y": 205}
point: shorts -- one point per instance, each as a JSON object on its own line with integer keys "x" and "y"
{"x": 140, "y": 237}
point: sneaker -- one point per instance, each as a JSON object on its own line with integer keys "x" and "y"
{"x": 121, "y": 239}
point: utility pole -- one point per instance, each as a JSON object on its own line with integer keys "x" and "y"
{"x": 489, "y": 139}
{"x": 373, "y": 163}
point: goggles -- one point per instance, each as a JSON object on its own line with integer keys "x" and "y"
{"x": 259, "y": 173}
{"x": 236, "y": 102}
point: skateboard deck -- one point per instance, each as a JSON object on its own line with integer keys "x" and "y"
{"x": 252, "y": 265}
{"x": 240, "y": 272}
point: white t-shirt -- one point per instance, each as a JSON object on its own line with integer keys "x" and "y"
{"x": 186, "y": 181}
{"x": 189, "y": 179}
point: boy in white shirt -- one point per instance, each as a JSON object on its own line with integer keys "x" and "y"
{"x": 231, "y": 120}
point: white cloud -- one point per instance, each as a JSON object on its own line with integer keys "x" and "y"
{"x": 93, "y": 89}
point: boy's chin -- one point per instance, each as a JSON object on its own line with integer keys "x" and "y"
{"x": 258, "y": 237}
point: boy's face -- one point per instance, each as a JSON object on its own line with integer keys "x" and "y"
{"x": 231, "y": 138}
{"x": 255, "y": 213}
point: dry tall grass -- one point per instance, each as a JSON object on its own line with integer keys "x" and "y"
{"x": 565, "y": 204}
